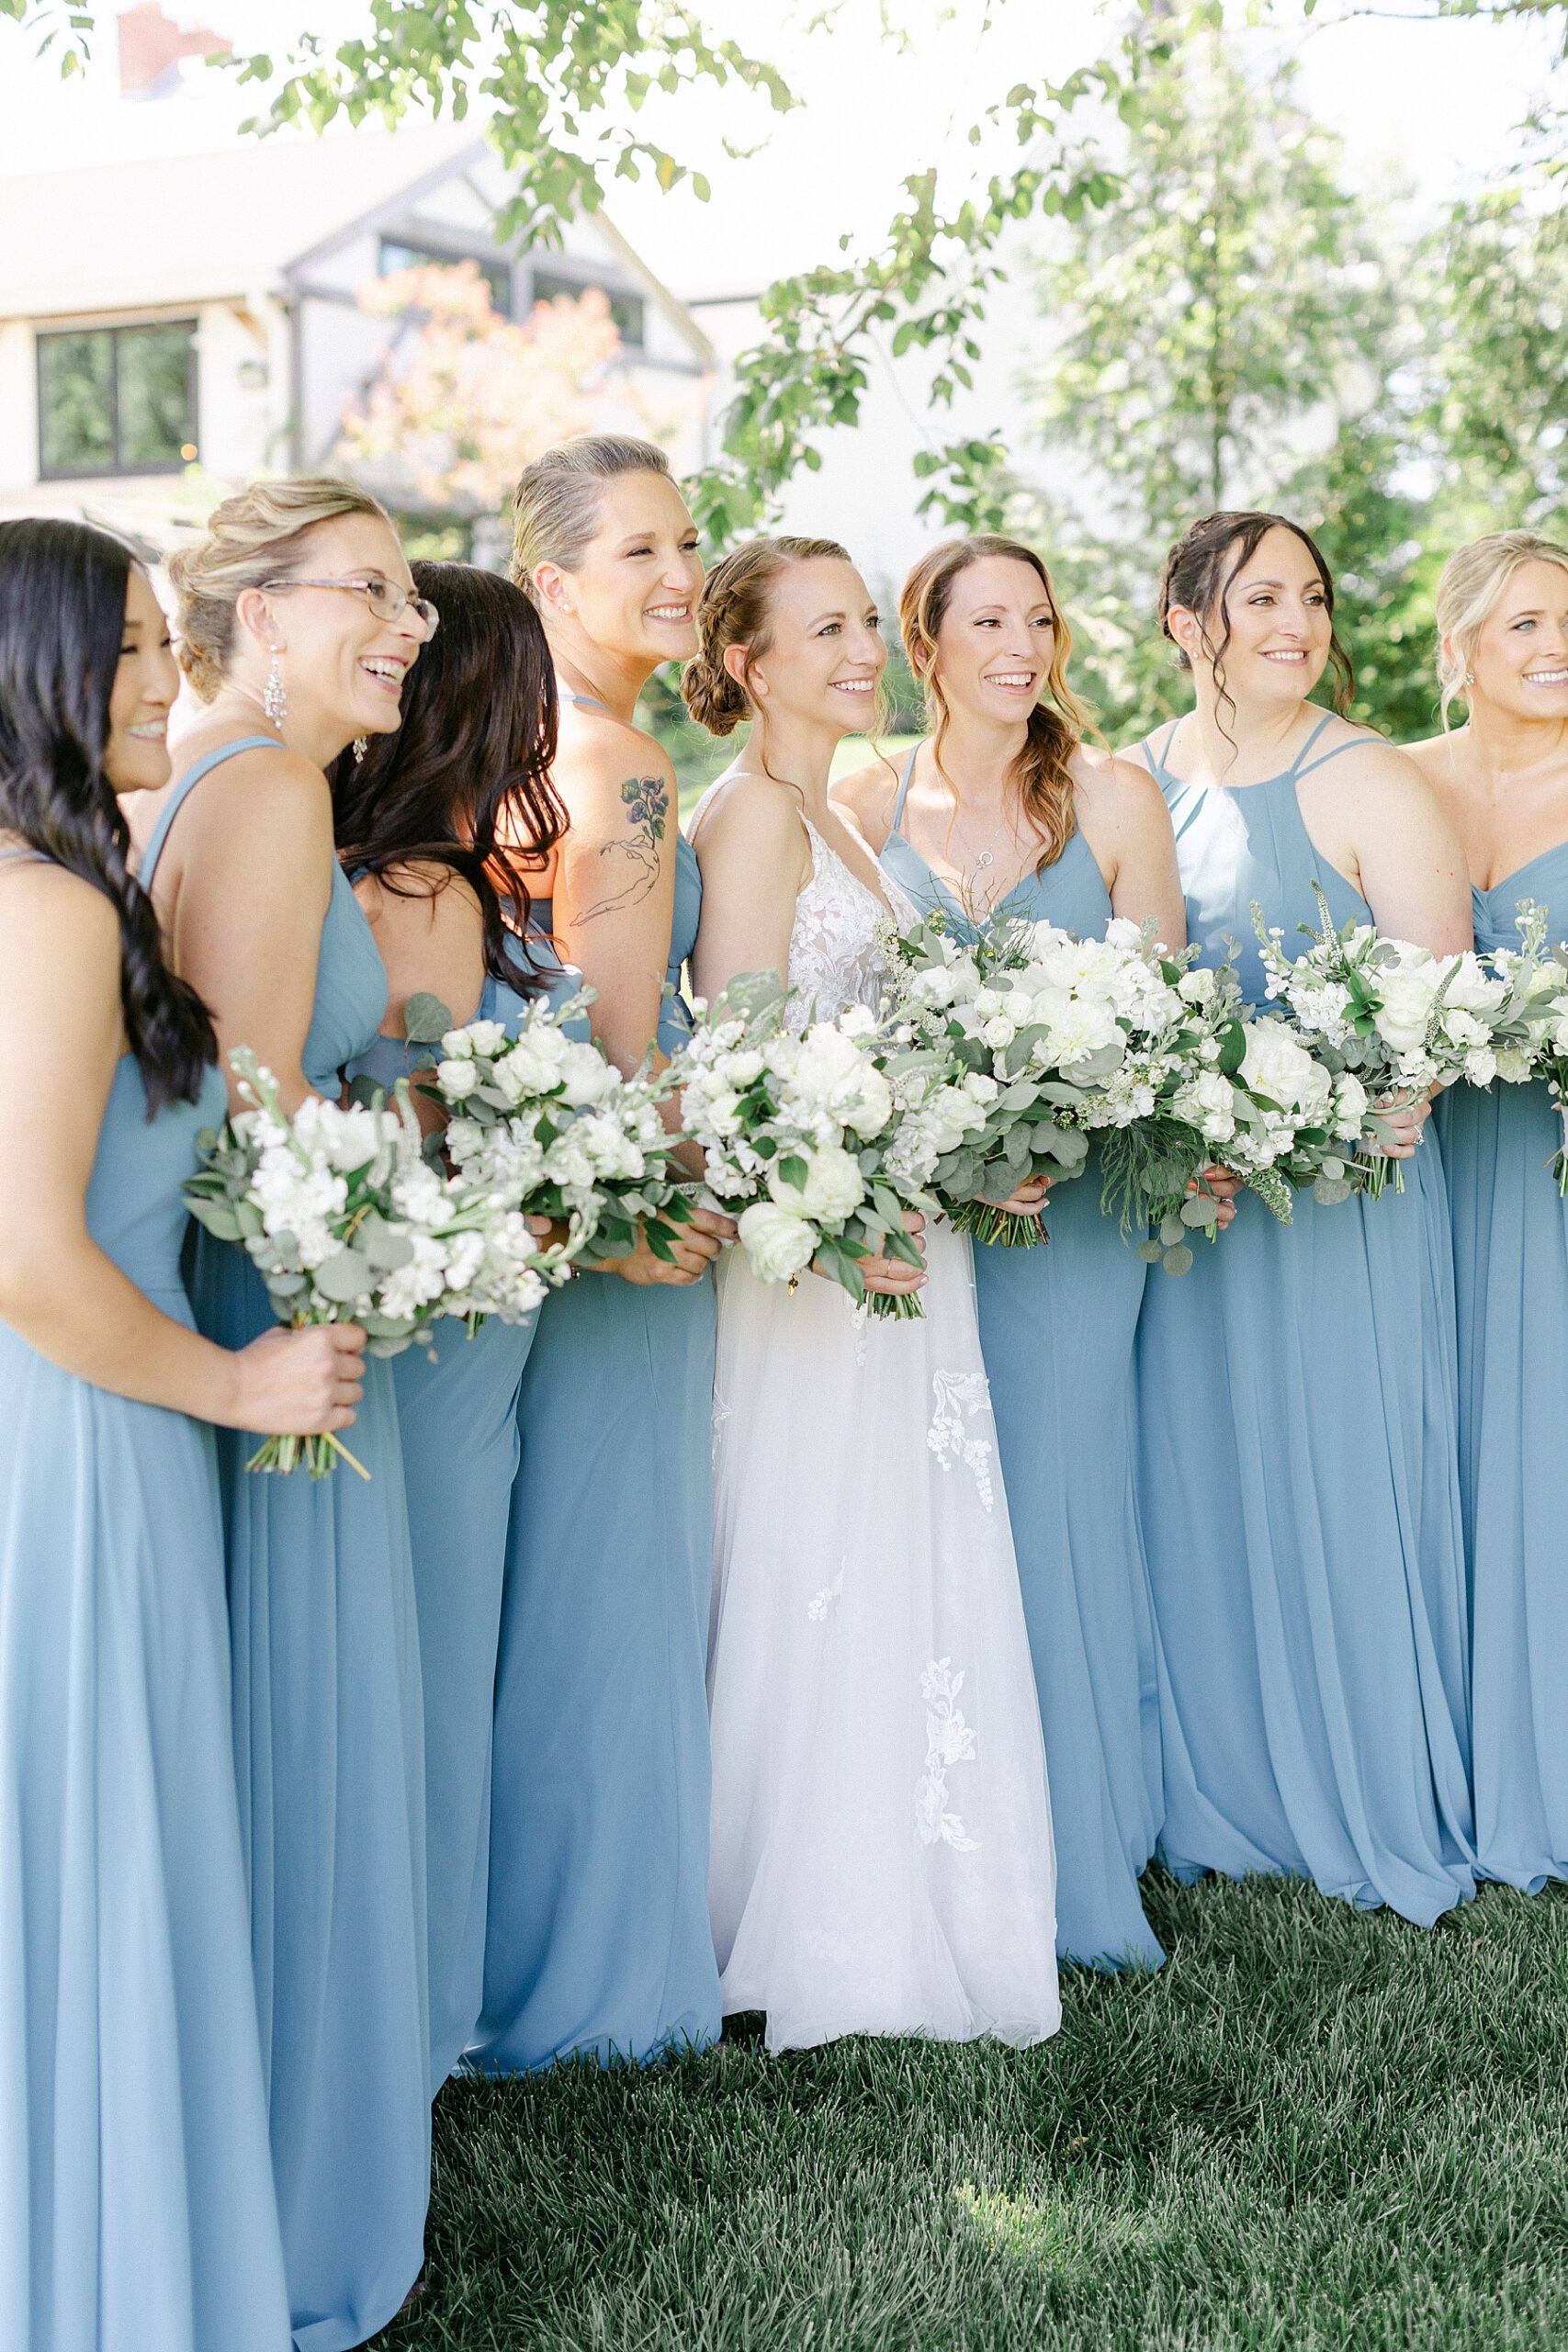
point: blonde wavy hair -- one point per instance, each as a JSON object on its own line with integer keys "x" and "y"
{"x": 736, "y": 608}
{"x": 1057, "y": 726}
{"x": 258, "y": 535}
{"x": 1473, "y": 580}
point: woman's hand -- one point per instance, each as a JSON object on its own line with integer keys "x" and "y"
{"x": 1223, "y": 1185}
{"x": 299, "y": 1384}
{"x": 892, "y": 1277}
{"x": 1400, "y": 1128}
{"x": 693, "y": 1247}
{"x": 1029, "y": 1199}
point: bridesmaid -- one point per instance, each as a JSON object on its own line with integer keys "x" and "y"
{"x": 1503, "y": 621}
{"x": 1302, "y": 1512}
{"x": 416, "y": 820}
{"x": 136, "y": 2211}
{"x": 598, "y": 1939}
{"x": 298, "y": 631}
{"x": 1005, "y": 810}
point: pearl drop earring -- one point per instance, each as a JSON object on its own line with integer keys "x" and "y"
{"x": 274, "y": 697}
{"x": 1470, "y": 677}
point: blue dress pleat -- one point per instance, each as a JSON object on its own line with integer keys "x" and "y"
{"x": 1510, "y": 1240}
{"x": 457, "y": 1416}
{"x": 598, "y": 1941}
{"x": 1057, "y": 1326}
{"x": 136, "y": 2211}
{"x": 1298, "y": 1481}
{"x": 329, "y": 1751}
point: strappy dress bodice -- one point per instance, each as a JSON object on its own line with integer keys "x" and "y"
{"x": 1543, "y": 878}
{"x": 351, "y": 980}
{"x": 135, "y": 1210}
{"x": 1240, "y": 845}
{"x": 1070, "y": 892}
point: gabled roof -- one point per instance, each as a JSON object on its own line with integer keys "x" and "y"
{"x": 177, "y": 228}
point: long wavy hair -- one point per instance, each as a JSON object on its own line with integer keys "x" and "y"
{"x": 1199, "y": 573}
{"x": 1044, "y": 769}
{"x": 61, "y": 627}
{"x": 464, "y": 783}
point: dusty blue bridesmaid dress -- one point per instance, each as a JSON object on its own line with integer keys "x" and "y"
{"x": 1510, "y": 1235}
{"x": 330, "y": 1757}
{"x": 598, "y": 1939}
{"x": 1056, "y": 1329}
{"x": 136, "y": 2211}
{"x": 457, "y": 1415}
{"x": 1298, "y": 1476}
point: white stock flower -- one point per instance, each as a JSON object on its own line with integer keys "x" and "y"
{"x": 457, "y": 1080}
{"x": 778, "y": 1243}
{"x": 1350, "y": 1105}
{"x": 458, "y": 1045}
{"x": 1208, "y": 1103}
{"x": 872, "y": 1106}
{"x": 1514, "y": 1065}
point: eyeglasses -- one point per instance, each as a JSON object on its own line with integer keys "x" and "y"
{"x": 385, "y": 598}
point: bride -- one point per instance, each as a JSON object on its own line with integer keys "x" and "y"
{"x": 882, "y": 1858}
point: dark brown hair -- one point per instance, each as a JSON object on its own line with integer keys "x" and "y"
{"x": 1203, "y": 563}
{"x": 1042, "y": 771}
{"x": 464, "y": 783}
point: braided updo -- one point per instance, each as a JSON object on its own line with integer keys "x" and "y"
{"x": 734, "y": 610}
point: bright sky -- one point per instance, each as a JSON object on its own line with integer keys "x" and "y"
{"x": 871, "y": 113}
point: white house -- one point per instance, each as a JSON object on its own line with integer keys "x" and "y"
{"x": 200, "y": 310}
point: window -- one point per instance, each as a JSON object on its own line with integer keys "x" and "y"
{"x": 627, "y": 309}
{"x": 397, "y": 255}
{"x": 117, "y": 399}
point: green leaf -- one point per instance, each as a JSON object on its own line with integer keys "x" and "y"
{"x": 344, "y": 1277}
{"x": 383, "y": 1246}
{"x": 1179, "y": 1261}
{"x": 425, "y": 1019}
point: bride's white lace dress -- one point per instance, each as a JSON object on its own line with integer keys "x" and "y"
{"x": 882, "y": 1858}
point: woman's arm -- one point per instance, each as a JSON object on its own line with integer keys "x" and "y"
{"x": 1128, "y": 826}
{"x": 1412, "y": 867}
{"x": 60, "y": 1041}
{"x": 615, "y": 883}
{"x": 755, "y": 858}
{"x": 256, "y": 860}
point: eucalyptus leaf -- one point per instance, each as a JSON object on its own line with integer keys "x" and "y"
{"x": 1171, "y": 1230}
{"x": 1329, "y": 1190}
{"x": 1150, "y": 1252}
{"x": 1179, "y": 1261}
{"x": 383, "y": 1245}
{"x": 344, "y": 1277}
{"x": 425, "y": 1019}
{"x": 1200, "y": 1212}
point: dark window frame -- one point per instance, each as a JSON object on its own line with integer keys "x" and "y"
{"x": 118, "y": 469}
{"x": 569, "y": 280}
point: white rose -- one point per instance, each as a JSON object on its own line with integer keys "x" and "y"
{"x": 1196, "y": 986}
{"x": 980, "y": 1087}
{"x": 988, "y": 1001}
{"x": 778, "y": 1243}
{"x": 456, "y": 1044}
{"x": 744, "y": 1067}
{"x": 1276, "y": 1067}
{"x": 1513, "y": 1065}
{"x": 936, "y": 988}
{"x": 457, "y": 1078}
{"x": 1405, "y": 1013}
{"x": 857, "y": 1020}
{"x": 834, "y": 1187}
{"x": 1481, "y": 1066}
{"x": 1472, "y": 989}
{"x": 998, "y": 1031}
{"x": 1350, "y": 1105}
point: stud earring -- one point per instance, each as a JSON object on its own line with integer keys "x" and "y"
{"x": 361, "y": 745}
{"x": 1470, "y": 677}
{"x": 274, "y": 697}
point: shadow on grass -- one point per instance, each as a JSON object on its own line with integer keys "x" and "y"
{"x": 1314, "y": 2128}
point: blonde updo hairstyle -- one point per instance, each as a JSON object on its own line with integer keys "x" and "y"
{"x": 737, "y": 609}
{"x": 1473, "y": 580}
{"x": 260, "y": 535}
{"x": 1044, "y": 769}
{"x": 557, "y": 503}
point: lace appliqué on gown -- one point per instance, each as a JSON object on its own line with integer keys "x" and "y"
{"x": 881, "y": 1858}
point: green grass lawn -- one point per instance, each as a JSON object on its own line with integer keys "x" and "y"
{"x": 1312, "y": 2128}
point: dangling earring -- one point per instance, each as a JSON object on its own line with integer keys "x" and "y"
{"x": 274, "y": 697}
{"x": 361, "y": 745}
{"x": 1470, "y": 677}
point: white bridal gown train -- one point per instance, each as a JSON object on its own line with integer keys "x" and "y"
{"x": 881, "y": 1858}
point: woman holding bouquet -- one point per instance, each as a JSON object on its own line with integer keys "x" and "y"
{"x": 137, "y": 2211}
{"x": 1006, "y": 812}
{"x": 598, "y": 1941}
{"x": 1503, "y": 777}
{"x": 298, "y": 625}
{"x": 882, "y": 1852}
{"x": 417, "y": 817}
{"x": 1301, "y": 1512}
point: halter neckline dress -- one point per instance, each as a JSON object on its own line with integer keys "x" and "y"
{"x": 1298, "y": 1479}
{"x": 329, "y": 1749}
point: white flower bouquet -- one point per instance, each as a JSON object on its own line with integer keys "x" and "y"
{"x": 806, "y": 1136}
{"x": 1530, "y": 1028}
{"x": 547, "y": 1123}
{"x": 1397, "y": 1018}
{"x": 348, "y": 1222}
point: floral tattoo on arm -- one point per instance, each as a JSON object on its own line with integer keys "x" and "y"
{"x": 646, "y": 800}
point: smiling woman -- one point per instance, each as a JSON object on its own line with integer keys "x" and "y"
{"x": 298, "y": 625}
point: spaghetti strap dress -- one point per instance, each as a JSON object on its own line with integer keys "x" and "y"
{"x": 1510, "y": 1236}
{"x": 598, "y": 1941}
{"x": 1297, "y": 1476}
{"x": 1057, "y": 1326}
{"x": 136, "y": 2211}
{"x": 457, "y": 1416}
{"x": 329, "y": 1752}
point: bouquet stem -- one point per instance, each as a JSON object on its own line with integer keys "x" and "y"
{"x": 319, "y": 1454}
{"x": 903, "y": 1303}
{"x": 987, "y": 1223}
